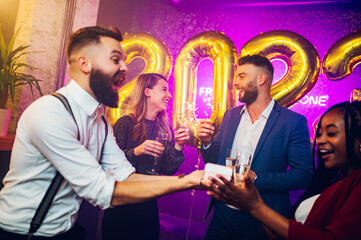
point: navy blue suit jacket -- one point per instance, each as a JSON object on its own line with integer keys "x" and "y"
{"x": 284, "y": 142}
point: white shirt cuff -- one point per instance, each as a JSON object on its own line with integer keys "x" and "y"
{"x": 204, "y": 147}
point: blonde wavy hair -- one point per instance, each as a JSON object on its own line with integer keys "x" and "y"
{"x": 138, "y": 106}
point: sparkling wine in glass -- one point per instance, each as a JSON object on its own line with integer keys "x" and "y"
{"x": 162, "y": 137}
{"x": 243, "y": 167}
{"x": 232, "y": 161}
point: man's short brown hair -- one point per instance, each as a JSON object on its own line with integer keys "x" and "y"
{"x": 258, "y": 61}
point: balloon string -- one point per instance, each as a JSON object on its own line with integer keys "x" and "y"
{"x": 193, "y": 191}
{"x": 190, "y": 215}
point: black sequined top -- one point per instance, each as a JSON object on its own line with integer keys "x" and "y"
{"x": 169, "y": 161}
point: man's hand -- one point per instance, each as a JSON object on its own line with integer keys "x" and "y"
{"x": 149, "y": 147}
{"x": 252, "y": 175}
{"x": 205, "y": 131}
{"x": 198, "y": 180}
{"x": 139, "y": 188}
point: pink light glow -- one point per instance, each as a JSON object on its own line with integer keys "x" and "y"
{"x": 204, "y": 95}
{"x": 260, "y": 4}
{"x": 280, "y": 69}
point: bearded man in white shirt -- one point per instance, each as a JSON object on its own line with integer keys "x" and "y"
{"x": 93, "y": 167}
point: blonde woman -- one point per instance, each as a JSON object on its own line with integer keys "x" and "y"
{"x": 135, "y": 134}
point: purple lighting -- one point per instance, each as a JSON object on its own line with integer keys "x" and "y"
{"x": 262, "y": 4}
{"x": 322, "y": 23}
{"x": 280, "y": 69}
{"x": 204, "y": 89}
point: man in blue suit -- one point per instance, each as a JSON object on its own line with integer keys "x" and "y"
{"x": 278, "y": 139}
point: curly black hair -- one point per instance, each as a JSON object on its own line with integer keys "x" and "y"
{"x": 324, "y": 177}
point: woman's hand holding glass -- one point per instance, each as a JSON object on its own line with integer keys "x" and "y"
{"x": 149, "y": 147}
{"x": 162, "y": 138}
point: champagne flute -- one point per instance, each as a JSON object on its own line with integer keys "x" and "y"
{"x": 232, "y": 161}
{"x": 162, "y": 137}
{"x": 243, "y": 167}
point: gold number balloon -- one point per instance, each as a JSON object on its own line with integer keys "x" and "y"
{"x": 342, "y": 57}
{"x": 157, "y": 59}
{"x": 221, "y": 50}
{"x": 356, "y": 95}
{"x": 300, "y": 56}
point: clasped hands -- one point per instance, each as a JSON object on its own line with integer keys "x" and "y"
{"x": 244, "y": 196}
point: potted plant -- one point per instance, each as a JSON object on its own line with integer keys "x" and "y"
{"x": 12, "y": 76}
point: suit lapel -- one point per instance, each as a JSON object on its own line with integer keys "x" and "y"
{"x": 229, "y": 135}
{"x": 232, "y": 129}
{"x": 267, "y": 128}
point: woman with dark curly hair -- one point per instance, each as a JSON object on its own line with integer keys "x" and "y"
{"x": 331, "y": 206}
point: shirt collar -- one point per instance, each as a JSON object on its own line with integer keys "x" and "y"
{"x": 265, "y": 112}
{"x": 268, "y": 109}
{"x": 88, "y": 103}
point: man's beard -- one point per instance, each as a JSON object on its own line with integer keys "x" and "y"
{"x": 102, "y": 86}
{"x": 250, "y": 94}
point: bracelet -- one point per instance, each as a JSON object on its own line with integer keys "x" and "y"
{"x": 181, "y": 175}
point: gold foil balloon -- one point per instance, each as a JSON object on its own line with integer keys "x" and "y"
{"x": 157, "y": 59}
{"x": 314, "y": 128}
{"x": 342, "y": 57}
{"x": 221, "y": 50}
{"x": 300, "y": 56}
{"x": 355, "y": 95}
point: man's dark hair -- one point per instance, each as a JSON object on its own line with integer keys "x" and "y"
{"x": 91, "y": 35}
{"x": 258, "y": 61}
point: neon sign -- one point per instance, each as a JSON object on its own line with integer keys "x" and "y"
{"x": 315, "y": 100}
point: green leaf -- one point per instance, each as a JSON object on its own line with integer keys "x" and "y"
{"x": 10, "y": 65}
{"x": 11, "y": 43}
{"x": 12, "y": 54}
{"x": 3, "y": 49}
{"x": 12, "y": 79}
{"x": 2, "y": 82}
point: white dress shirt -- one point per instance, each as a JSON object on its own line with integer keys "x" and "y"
{"x": 304, "y": 209}
{"x": 46, "y": 141}
{"x": 248, "y": 133}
